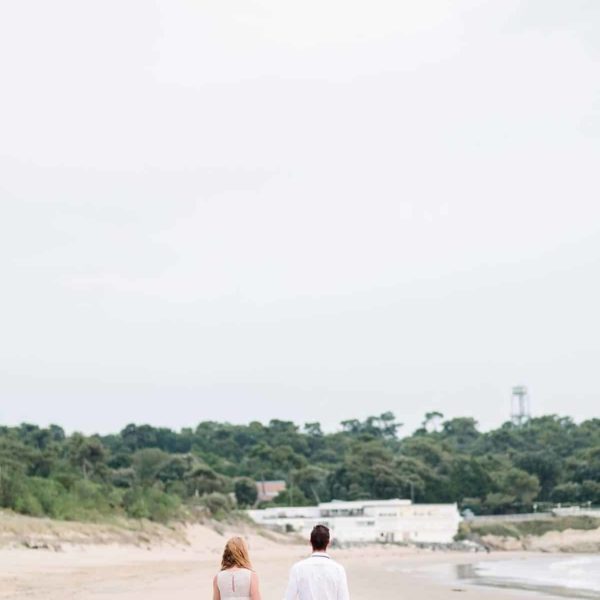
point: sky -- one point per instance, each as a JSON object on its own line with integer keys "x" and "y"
{"x": 259, "y": 209}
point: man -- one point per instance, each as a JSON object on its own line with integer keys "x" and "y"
{"x": 318, "y": 577}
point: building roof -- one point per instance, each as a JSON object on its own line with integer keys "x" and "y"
{"x": 267, "y": 490}
{"x": 349, "y": 504}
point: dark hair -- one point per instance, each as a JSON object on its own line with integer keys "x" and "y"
{"x": 319, "y": 537}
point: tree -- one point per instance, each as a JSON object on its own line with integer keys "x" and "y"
{"x": 148, "y": 471}
{"x": 87, "y": 454}
{"x": 203, "y": 480}
{"x": 174, "y": 467}
{"x": 432, "y": 422}
{"x": 520, "y": 484}
{"x": 461, "y": 432}
{"x": 313, "y": 429}
{"x": 590, "y": 491}
{"x": 544, "y": 464}
{"x": 498, "y": 502}
{"x": 245, "y": 491}
{"x": 367, "y": 472}
{"x": 312, "y": 481}
{"x": 469, "y": 478}
{"x": 384, "y": 426}
{"x": 586, "y": 465}
{"x": 291, "y": 497}
{"x": 147, "y": 463}
{"x": 569, "y": 492}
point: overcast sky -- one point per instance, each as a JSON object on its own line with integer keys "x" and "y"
{"x": 319, "y": 210}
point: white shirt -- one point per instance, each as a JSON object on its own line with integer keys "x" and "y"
{"x": 317, "y": 578}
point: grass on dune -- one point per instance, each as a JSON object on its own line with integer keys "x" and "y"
{"x": 521, "y": 529}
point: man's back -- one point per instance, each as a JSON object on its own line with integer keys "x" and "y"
{"x": 317, "y": 578}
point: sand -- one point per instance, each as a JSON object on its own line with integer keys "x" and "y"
{"x": 172, "y": 571}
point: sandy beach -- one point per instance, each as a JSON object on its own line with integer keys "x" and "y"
{"x": 184, "y": 572}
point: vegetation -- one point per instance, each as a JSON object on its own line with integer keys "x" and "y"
{"x": 521, "y": 529}
{"x": 149, "y": 472}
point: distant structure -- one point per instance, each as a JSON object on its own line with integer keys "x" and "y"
{"x": 269, "y": 490}
{"x": 367, "y": 520}
{"x": 520, "y": 410}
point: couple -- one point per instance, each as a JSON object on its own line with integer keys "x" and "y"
{"x": 315, "y": 578}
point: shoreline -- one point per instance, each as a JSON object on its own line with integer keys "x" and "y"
{"x": 571, "y": 581}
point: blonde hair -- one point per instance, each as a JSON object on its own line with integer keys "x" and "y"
{"x": 235, "y": 555}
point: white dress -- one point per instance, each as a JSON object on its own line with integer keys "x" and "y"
{"x": 234, "y": 583}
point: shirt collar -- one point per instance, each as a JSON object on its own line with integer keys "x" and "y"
{"x": 320, "y": 553}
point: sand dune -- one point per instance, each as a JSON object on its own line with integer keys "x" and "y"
{"x": 569, "y": 540}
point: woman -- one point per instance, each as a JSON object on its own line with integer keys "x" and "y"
{"x": 236, "y": 578}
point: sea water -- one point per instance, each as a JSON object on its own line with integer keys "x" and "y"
{"x": 570, "y": 576}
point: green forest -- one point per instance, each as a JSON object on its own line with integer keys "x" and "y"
{"x": 159, "y": 474}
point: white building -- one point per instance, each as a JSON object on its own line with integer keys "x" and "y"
{"x": 368, "y": 520}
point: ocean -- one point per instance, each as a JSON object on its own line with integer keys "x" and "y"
{"x": 572, "y": 576}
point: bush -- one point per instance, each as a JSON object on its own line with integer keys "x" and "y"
{"x": 520, "y": 529}
{"x": 49, "y": 495}
{"x": 498, "y": 529}
{"x": 558, "y": 524}
{"x": 28, "y": 504}
{"x": 151, "y": 503}
{"x": 218, "y": 504}
{"x": 291, "y": 497}
{"x": 25, "y": 494}
{"x": 85, "y": 501}
{"x": 12, "y": 486}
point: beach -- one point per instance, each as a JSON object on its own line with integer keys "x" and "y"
{"x": 135, "y": 560}
{"x": 184, "y": 572}
{"x": 129, "y": 575}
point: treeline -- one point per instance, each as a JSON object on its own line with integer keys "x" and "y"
{"x": 157, "y": 473}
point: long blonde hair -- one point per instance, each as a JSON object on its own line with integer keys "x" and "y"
{"x": 235, "y": 555}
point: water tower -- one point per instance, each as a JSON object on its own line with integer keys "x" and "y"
{"x": 519, "y": 405}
